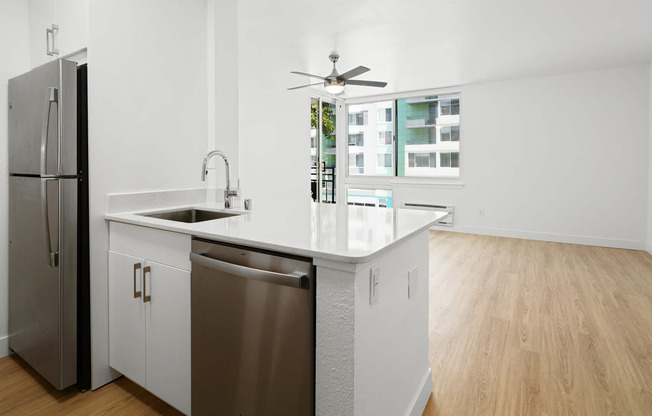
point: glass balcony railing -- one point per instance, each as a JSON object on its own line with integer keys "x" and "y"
{"x": 416, "y": 122}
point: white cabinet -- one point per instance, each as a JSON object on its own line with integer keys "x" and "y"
{"x": 70, "y": 18}
{"x": 149, "y": 310}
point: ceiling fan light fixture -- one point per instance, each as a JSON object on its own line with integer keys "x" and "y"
{"x": 334, "y": 87}
{"x": 334, "y": 83}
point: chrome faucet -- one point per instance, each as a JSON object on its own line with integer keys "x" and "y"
{"x": 228, "y": 192}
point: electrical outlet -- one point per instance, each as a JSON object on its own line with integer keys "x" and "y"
{"x": 481, "y": 213}
{"x": 413, "y": 282}
{"x": 374, "y": 284}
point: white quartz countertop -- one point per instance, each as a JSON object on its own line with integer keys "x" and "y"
{"x": 344, "y": 233}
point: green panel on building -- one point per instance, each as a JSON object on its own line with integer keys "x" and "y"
{"x": 407, "y": 135}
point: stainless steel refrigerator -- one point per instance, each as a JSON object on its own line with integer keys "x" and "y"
{"x": 48, "y": 223}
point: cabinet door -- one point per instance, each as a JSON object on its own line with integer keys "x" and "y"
{"x": 126, "y": 317}
{"x": 168, "y": 334}
{"x": 42, "y": 14}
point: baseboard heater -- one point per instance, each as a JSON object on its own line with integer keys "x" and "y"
{"x": 450, "y": 210}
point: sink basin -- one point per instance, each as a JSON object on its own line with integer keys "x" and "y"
{"x": 191, "y": 215}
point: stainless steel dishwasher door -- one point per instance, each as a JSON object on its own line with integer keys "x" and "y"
{"x": 252, "y": 332}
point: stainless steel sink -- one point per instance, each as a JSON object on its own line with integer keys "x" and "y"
{"x": 191, "y": 215}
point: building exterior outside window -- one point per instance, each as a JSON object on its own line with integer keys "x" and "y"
{"x": 428, "y": 136}
{"x": 356, "y": 139}
{"x": 385, "y": 138}
{"x": 416, "y": 137}
{"x": 371, "y": 120}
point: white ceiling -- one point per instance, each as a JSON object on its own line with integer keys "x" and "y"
{"x": 417, "y": 44}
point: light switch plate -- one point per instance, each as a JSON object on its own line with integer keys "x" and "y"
{"x": 413, "y": 282}
{"x": 374, "y": 284}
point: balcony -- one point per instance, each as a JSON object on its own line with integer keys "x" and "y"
{"x": 421, "y": 100}
{"x": 419, "y": 122}
{"x": 431, "y": 99}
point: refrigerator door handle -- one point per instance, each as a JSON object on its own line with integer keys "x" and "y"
{"x": 51, "y": 96}
{"x": 53, "y": 256}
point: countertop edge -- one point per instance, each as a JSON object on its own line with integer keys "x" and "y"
{"x": 131, "y": 219}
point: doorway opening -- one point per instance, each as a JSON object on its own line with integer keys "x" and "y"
{"x": 323, "y": 150}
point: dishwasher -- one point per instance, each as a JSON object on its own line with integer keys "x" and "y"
{"x": 252, "y": 332}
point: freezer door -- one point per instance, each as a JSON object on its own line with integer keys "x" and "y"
{"x": 43, "y": 275}
{"x": 43, "y": 120}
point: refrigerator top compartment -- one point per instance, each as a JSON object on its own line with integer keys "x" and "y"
{"x": 42, "y": 122}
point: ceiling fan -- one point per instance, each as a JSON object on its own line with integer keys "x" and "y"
{"x": 334, "y": 82}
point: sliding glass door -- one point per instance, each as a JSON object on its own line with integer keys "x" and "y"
{"x": 323, "y": 150}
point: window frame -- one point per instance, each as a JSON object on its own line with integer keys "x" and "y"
{"x": 382, "y": 180}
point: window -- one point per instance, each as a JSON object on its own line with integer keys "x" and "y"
{"x": 449, "y": 160}
{"x": 371, "y": 120}
{"x": 385, "y": 138}
{"x": 428, "y": 127}
{"x": 422, "y": 160}
{"x": 432, "y": 135}
{"x": 358, "y": 119}
{"x": 323, "y": 150}
{"x": 385, "y": 160}
{"x": 449, "y": 107}
{"x": 356, "y": 163}
{"x": 421, "y": 135}
{"x": 450, "y": 134}
{"x": 385, "y": 115}
{"x": 356, "y": 139}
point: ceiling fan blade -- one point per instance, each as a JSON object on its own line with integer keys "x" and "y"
{"x": 308, "y": 75}
{"x": 353, "y": 73}
{"x": 366, "y": 83}
{"x": 307, "y": 85}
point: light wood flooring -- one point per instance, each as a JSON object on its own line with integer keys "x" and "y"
{"x": 517, "y": 327}
{"x": 521, "y": 327}
{"x": 25, "y": 393}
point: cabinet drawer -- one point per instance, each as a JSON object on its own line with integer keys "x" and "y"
{"x": 165, "y": 247}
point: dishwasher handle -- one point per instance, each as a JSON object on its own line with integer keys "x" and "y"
{"x": 295, "y": 279}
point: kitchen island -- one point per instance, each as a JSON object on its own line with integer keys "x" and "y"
{"x": 371, "y": 311}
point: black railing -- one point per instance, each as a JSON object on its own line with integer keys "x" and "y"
{"x": 327, "y": 181}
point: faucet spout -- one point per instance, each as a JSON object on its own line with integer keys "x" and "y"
{"x": 228, "y": 193}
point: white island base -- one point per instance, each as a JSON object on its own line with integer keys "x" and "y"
{"x": 372, "y": 359}
{"x": 371, "y": 355}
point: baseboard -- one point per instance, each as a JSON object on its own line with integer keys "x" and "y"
{"x": 649, "y": 248}
{"x": 419, "y": 402}
{"x": 4, "y": 346}
{"x": 558, "y": 238}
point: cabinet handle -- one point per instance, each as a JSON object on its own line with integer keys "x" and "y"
{"x": 51, "y": 33}
{"x": 136, "y": 268}
{"x": 146, "y": 297}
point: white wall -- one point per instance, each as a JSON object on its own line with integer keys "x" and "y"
{"x": 147, "y": 118}
{"x": 274, "y": 124}
{"x": 560, "y": 158}
{"x": 14, "y": 44}
{"x": 226, "y": 88}
{"x": 649, "y": 203}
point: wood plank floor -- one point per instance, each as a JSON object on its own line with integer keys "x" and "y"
{"x": 517, "y": 327}
{"x": 521, "y": 327}
{"x": 24, "y": 393}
